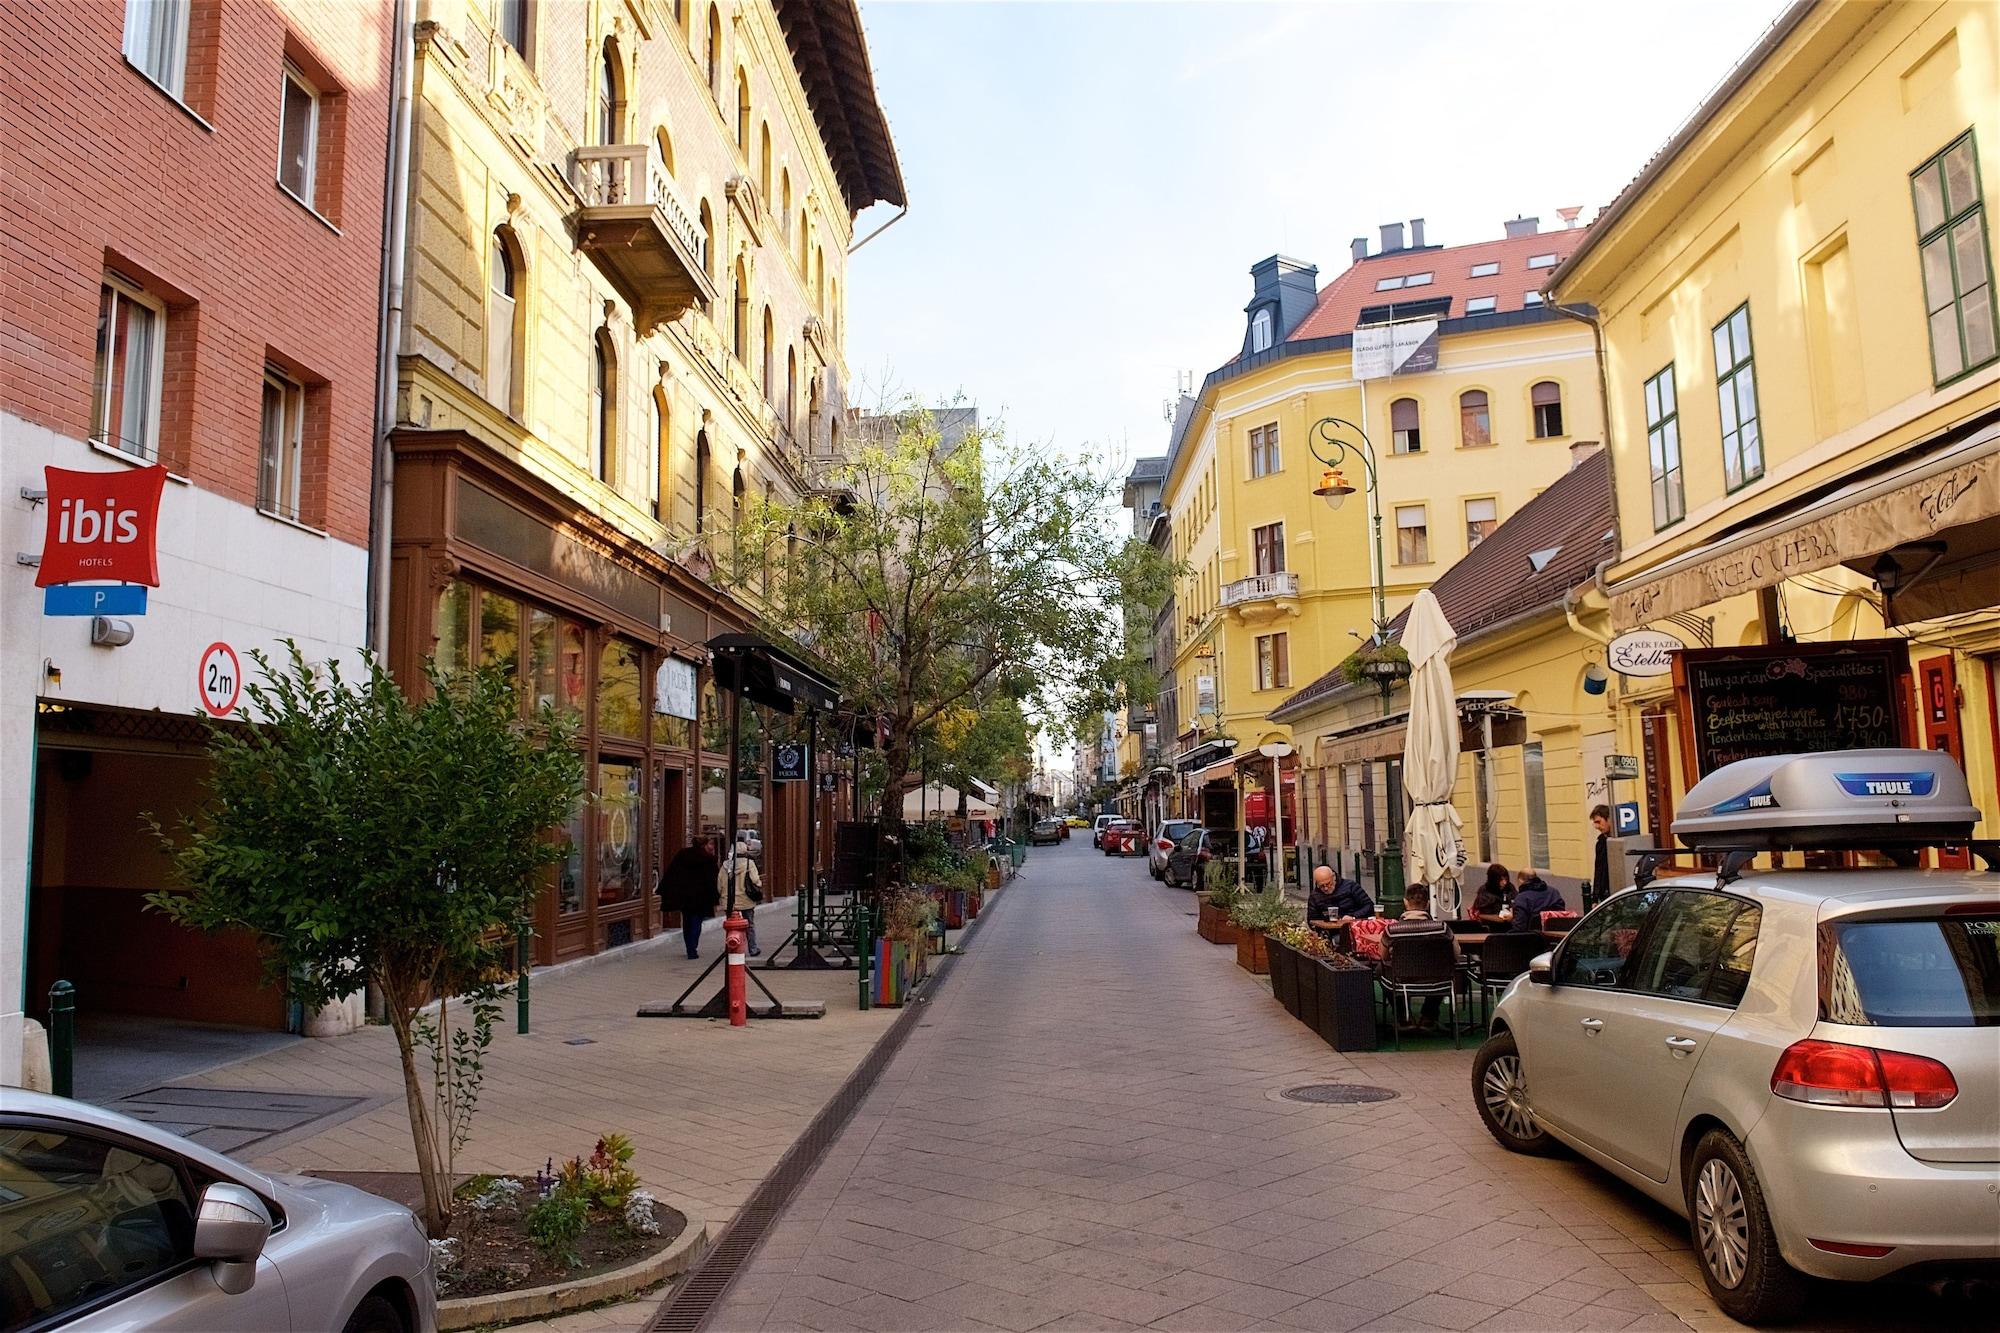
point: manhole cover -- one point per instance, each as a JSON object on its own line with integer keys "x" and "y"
{"x": 579, "y": 1041}
{"x": 1337, "y": 1094}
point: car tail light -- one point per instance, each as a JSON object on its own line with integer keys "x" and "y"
{"x": 1163, "y": 844}
{"x": 1851, "y": 1249}
{"x": 1829, "y": 1073}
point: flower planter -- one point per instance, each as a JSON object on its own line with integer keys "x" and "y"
{"x": 1213, "y": 924}
{"x": 1250, "y": 954}
{"x": 951, "y": 908}
{"x": 974, "y": 900}
{"x": 1305, "y": 989}
{"x": 1285, "y": 966}
{"x": 1343, "y": 1011}
{"x": 894, "y": 973}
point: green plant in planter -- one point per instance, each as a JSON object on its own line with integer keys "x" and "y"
{"x": 556, "y": 1223}
{"x": 1262, "y": 911}
{"x": 1222, "y": 892}
{"x": 1369, "y": 664}
{"x": 1301, "y": 939}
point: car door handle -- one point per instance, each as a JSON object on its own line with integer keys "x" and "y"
{"x": 1681, "y": 1045}
{"x": 1593, "y": 1025}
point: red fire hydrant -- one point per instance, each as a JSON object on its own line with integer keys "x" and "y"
{"x": 736, "y": 940}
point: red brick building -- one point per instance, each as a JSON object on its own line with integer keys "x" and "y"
{"x": 191, "y": 219}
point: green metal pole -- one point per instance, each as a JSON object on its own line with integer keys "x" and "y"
{"x": 62, "y": 1038}
{"x": 522, "y": 934}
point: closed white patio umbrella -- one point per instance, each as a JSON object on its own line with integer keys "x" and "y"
{"x": 1433, "y": 850}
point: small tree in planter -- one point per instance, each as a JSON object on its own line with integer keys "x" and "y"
{"x": 1212, "y": 919}
{"x": 371, "y": 839}
{"x": 1254, "y": 914}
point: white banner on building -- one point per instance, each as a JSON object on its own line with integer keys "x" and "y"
{"x": 674, "y": 688}
{"x": 1204, "y": 694}
{"x": 1408, "y": 348}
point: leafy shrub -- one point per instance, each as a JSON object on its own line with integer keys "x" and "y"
{"x": 1301, "y": 939}
{"x": 556, "y": 1223}
{"x": 1261, "y": 911}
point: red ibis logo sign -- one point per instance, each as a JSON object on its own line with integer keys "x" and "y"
{"x": 103, "y": 525}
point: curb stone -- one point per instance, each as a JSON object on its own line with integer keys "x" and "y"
{"x": 506, "y": 1307}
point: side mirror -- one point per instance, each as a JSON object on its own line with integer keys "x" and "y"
{"x": 230, "y": 1229}
{"x": 1541, "y": 971}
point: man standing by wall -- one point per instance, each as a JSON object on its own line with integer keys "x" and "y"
{"x": 1600, "y": 875}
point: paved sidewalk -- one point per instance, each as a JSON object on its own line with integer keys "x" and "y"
{"x": 1085, "y": 1132}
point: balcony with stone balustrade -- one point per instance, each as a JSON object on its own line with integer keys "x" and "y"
{"x": 634, "y": 226}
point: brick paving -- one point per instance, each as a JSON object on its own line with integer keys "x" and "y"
{"x": 1085, "y": 1132}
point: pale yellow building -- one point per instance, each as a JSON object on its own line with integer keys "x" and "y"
{"x": 1473, "y": 395}
{"x": 623, "y": 317}
{"x": 1796, "y": 306}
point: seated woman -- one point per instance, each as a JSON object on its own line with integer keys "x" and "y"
{"x": 1493, "y": 901}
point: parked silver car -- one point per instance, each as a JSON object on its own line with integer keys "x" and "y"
{"x": 1161, "y": 845}
{"x": 109, "y": 1223}
{"x": 1804, "y": 1063}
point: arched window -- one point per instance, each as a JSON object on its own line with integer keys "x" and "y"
{"x": 1475, "y": 422}
{"x": 764, "y": 163}
{"x": 743, "y": 112}
{"x": 1260, "y": 330}
{"x": 700, "y": 480}
{"x": 739, "y": 331}
{"x": 736, "y": 515}
{"x": 666, "y": 147}
{"x": 769, "y": 350}
{"x": 1407, "y": 438}
{"x": 610, "y": 95}
{"x": 792, "y": 389}
{"x": 785, "y": 200}
{"x": 712, "y": 54}
{"x": 812, "y": 415}
{"x": 656, "y": 453}
{"x": 805, "y": 231}
{"x": 510, "y": 17}
{"x": 819, "y": 281}
{"x": 504, "y": 324}
{"x": 707, "y": 241}
{"x": 603, "y": 406}
{"x": 1547, "y": 399}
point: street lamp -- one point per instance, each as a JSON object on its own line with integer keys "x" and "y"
{"x": 1334, "y": 488}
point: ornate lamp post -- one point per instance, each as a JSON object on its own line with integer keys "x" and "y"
{"x": 1329, "y": 446}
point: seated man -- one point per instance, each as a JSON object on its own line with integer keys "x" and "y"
{"x": 1416, "y": 923}
{"x": 1340, "y": 901}
{"x": 1535, "y": 897}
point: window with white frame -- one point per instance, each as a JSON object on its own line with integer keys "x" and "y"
{"x": 1541, "y": 261}
{"x": 1413, "y": 535}
{"x": 156, "y": 38}
{"x": 1486, "y": 270}
{"x": 503, "y": 342}
{"x": 298, "y": 136}
{"x": 1260, "y": 330}
{"x": 282, "y": 445}
{"x": 1418, "y": 280}
{"x": 1531, "y": 297}
{"x": 1481, "y": 305}
{"x": 1406, "y": 435}
{"x": 1481, "y": 517}
{"x": 125, "y": 395}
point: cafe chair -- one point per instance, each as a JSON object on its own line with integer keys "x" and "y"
{"x": 1557, "y": 923}
{"x": 1505, "y": 957}
{"x": 1419, "y": 968}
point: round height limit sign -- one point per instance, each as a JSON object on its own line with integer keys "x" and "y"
{"x": 219, "y": 679}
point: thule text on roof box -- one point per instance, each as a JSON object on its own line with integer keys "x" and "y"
{"x": 1840, "y": 799}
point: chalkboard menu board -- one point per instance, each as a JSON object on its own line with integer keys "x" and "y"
{"x": 1743, "y": 703}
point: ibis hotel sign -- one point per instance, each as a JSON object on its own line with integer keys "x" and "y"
{"x": 104, "y": 527}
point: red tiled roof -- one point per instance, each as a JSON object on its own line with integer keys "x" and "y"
{"x": 1342, "y": 300}
{"x": 1496, "y": 581}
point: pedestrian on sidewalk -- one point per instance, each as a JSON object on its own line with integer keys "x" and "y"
{"x": 749, "y": 884}
{"x": 1600, "y": 875}
{"x": 689, "y": 885}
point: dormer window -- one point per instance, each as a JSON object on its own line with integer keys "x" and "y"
{"x": 1260, "y": 330}
{"x": 1403, "y": 280}
{"x": 1541, "y": 261}
{"x": 1481, "y": 305}
{"x": 1486, "y": 270}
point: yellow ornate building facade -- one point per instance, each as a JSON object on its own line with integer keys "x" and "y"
{"x": 1803, "y": 385}
{"x": 623, "y": 318}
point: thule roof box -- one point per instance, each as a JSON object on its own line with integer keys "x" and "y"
{"x": 1840, "y": 799}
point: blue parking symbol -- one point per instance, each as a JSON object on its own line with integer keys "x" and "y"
{"x": 1627, "y": 821}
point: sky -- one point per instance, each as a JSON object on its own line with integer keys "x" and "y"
{"x": 1090, "y": 182}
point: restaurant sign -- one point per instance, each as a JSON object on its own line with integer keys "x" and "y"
{"x": 1748, "y": 702}
{"x": 1643, "y": 652}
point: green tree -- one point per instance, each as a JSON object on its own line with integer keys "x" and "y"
{"x": 934, "y": 578}
{"x": 370, "y": 838}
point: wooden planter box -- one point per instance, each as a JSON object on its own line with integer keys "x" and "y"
{"x": 1285, "y": 964}
{"x": 1343, "y": 1004}
{"x": 974, "y": 900}
{"x": 1213, "y": 924}
{"x": 1250, "y": 951}
{"x": 951, "y": 908}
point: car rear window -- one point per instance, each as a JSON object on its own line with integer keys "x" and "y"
{"x": 1939, "y": 971}
{"x": 1174, "y": 829}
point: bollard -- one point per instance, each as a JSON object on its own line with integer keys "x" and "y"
{"x": 864, "y": 949}
{"x": 521, "y": 938}
{"x": 62, "y": 1038}
{"x": 736, "y": 939}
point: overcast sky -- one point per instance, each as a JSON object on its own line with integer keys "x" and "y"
{"x": 1090, "y": 182}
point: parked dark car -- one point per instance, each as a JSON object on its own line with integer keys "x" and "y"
{"x": 1184, "y": 863}
{"x": 1162, "y": 842}
{"x": 1045, "y": 833}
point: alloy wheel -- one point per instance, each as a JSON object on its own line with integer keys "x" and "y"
{"x": 1506, "y": 1094}
{"x": 1722, "y": 1222}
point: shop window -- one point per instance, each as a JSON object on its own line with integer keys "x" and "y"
{"x": 1407, "y": 434}
{"x": 1546, "y": 398}
{"x": 1475, "y": 419}
{"x": 569, "y": 874}
{"x": 620, "y": 820}
{"x": 131, "y": 337}
{"x": 500, "y": 637}
{"x": 1413, "y": 535}
{"x": 1957, "y": 261}
{"x": 714, "y": 720}
{"x": 555, "y": 663}
{"x": 1482, "y": 516}
{"x": 1264, "y": 456}
{"x": 1736, "y": 395}
{"x": 453, "y": 627}
{"x": 673, "y": 732}
{"x": 714, "y": 802}
{"x": 1663, "y": 444}
{"x": 618, "y": 692}
{"x": 1482, "y": 790}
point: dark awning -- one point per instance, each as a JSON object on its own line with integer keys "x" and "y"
{"x": 766, "y": 674}
{"x": 1208, "y": 752}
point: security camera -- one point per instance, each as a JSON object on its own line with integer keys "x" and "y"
{"x": 108, "y": 633}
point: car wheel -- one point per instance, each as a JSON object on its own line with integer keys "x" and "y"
{"x": 375, "y": 1314}
{"x": 1733, "y": 1239}
{"x": 1500, "y": 1088}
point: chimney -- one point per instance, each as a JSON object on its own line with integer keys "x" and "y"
{"x": 1360, "y": 248}
{"x": 1568, "y": 215}
{"x": 1582, "y": 449}
{"x": 1392, "y": 237}
{"x": 1521, "y": 226}
{"x": 1416, "y": 233}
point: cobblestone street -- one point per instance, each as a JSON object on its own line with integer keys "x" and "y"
{"x": 1085, "y": 1131}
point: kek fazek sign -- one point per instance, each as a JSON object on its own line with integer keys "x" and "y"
{"x": 102, "y": 549}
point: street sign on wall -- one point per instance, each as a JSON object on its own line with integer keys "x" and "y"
{"x": 1621, "y": 767}
{"x": 94, "y": 599}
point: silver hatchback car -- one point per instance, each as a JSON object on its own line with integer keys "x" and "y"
{"x": 109, "y": 1223}
{"x": 1804, "y": 1063}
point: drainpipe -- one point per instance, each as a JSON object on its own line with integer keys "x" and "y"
{"x": 1570, "y": 600}
{"x": 1589, "y": 317}
{"x": 395, "y": 216}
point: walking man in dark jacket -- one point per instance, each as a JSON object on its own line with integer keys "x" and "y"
{"x": 1600, "y": 874}
{"x": 689, "y": 885}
